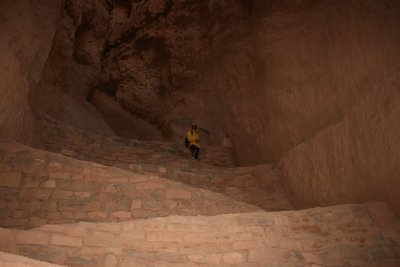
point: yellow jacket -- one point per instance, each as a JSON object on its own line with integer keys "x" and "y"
{"x": 193, "y": 137}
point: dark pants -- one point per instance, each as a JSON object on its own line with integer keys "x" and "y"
{"x": 195, "y": 151}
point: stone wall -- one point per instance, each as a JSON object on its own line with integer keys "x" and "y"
{"x": 360, "y": 235}
{"x": 38, "y": 188}
{"x": 256, "y": 185}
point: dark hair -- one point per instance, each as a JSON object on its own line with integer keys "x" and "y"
{"x": 194, "y": 126}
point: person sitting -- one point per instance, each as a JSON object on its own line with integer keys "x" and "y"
{"x": 193, "y": 141}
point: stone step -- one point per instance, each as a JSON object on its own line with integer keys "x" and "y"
{"x": 345, "y": 235}
{"x": 107, "y": 150}
{"x": 39, "y": 187}
{"x": 258, "y": 186}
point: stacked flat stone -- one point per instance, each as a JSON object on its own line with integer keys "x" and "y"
{"x": 257, "y": 185}
{"x": 39, "y": 187}
{"x": 347, "y": 235}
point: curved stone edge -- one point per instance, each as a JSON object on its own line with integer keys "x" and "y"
{"x": 12, "y": 260}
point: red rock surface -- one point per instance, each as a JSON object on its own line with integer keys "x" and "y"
{"x": 74, "y": 65}
{"x": 27, "y": 32}
{"x": 311, "y": 86}
{"x": 155, "y": 49}
{"x": 12, "y": 260}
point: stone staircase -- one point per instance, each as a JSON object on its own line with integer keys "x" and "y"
{"x": 116, "y": 151}
{"x": 170, "y": 161}
{"x": 96, "y": 201}
{"x": 39, "y": 187}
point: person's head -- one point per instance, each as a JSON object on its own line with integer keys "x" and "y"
{"x": 194, "y": 127}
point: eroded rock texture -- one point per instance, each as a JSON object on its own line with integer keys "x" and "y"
{"x": 155, "y": 48}
{"x": 142, "y": 53}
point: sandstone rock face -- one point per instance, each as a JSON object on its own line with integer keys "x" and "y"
{"x": 352, "y": 160}
{"x": 27, "y": 30}
{"x": 315, "y": 86}
{"x": 142, "y": 53}
{"x": 74, "y": 65}
{"x": 155, "y": 48}
{"x": 145, "y": 52}
{"x": 122, "y": 121}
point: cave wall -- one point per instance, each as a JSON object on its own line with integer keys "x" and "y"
{"x": 141, "y": 53}
{"x": 353, "y": 151}
{"x": 154, "y": 50}
{"x": 314, "y": 87}
{"x": 27, "y": 31}
{"x": 353, "y": 160}
{"x": 74, "y": 66}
